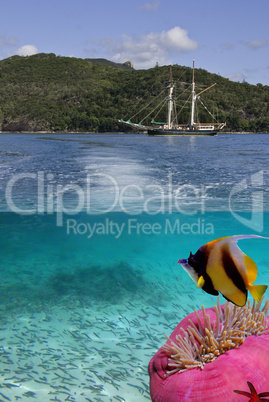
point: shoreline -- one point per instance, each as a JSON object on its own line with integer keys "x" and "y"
{"x": 109, "y": 132}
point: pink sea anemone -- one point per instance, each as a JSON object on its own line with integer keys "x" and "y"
{"x": 211, "y": 353}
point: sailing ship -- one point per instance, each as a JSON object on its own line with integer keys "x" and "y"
{"x": 171, "y": 126}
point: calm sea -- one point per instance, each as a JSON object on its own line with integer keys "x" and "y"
{"x": 92, "y": 227}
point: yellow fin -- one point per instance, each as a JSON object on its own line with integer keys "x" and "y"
{"x": 200, "y": 282}
{"x": 252, "y": 269}
{"x": 257, "y": 291}
{"x": 238, "y": 298}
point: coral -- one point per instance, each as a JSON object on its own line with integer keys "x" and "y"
{"x": 203, "y": 344}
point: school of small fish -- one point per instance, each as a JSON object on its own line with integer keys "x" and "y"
{"x": 69, "y": 351}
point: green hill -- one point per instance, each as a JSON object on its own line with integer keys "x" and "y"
{"x": 104, "y": 62}
{"x": 45, "y": 92}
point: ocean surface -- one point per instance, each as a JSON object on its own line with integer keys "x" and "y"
{"x": 92, "y": 227}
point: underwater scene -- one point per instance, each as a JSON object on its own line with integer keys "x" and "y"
{"x": 92, "y": 228}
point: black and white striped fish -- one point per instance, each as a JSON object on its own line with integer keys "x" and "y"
{"x": 221, "y": 266}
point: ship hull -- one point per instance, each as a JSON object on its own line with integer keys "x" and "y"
{"x": 173, "y": 132}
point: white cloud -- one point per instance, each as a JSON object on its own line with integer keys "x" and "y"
{"x": 7, "y": 41}
{"x": 255, "y": 44}
{"x": 150, "y": 6}
{"x": 26, "y": 50}
{"x": 145, "y": 50}
{"x": 226, "y": 46}
{"x": 237, "y": 76}
{"x": 177, "y": 39}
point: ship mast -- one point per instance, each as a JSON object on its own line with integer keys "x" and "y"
{"x": 170, "y": 100}
{"x": 193, "y": 97}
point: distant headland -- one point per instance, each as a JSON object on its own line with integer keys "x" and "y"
{"x": 49, "y": 93}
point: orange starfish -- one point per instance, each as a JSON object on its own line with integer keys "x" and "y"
{"x": 253, "y": 396}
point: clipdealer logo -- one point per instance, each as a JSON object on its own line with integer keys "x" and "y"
{"x": 255, "y": 184}
{"x": 151, "y": 199}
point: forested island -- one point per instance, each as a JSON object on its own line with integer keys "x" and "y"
{"x": 49, "y": 93}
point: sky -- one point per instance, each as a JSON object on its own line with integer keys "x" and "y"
{"x": 229, "y": 38}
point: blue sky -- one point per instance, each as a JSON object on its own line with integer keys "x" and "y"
{"x": 230, "y": 37}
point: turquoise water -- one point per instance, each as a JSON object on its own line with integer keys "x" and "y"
{"x": 92, "y": 227}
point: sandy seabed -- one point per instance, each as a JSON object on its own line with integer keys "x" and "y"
{"x": 74, "y": 351}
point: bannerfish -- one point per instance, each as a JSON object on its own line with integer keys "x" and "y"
{"x": 221, "y": 266}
